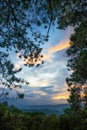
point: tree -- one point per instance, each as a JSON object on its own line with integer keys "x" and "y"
{"x": 19, "y": 31}
{"x": 85, "y": 97}
{"x": 74, "y": 13}
{"x": 75, "y": 98}
{"x": 78, "y": 57}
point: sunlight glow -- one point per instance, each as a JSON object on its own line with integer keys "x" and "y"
{"x": 65, "y": 95}
{"x": 60, "y": 46}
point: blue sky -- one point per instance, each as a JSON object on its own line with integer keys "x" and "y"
{"x": 47, "y": 82}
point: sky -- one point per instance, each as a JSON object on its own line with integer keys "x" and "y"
{"x": 47, "y": 82}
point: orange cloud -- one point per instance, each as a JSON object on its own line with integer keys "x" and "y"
{"x": 64, "y": 95}
{"x": 60, "y": 46}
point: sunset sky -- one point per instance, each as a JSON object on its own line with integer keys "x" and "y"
{"x": 47, "y": 82}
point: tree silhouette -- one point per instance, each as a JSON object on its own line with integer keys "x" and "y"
{"x": 19, "y": 31}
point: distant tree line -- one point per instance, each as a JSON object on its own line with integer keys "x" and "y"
{"x": 12, "y": 118}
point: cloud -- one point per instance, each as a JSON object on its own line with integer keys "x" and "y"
{"x": 63, "y": 44}
{"x": 61, "y": 95}
{"x": 49, "y": 90}
{"x": 40, "y": 93}
{"x": 60, "y": 46}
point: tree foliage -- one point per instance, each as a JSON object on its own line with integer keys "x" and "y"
{"x": 19, "y": 31}
{"x": 11, "y": 118}
{"x": 74, "y": 13}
